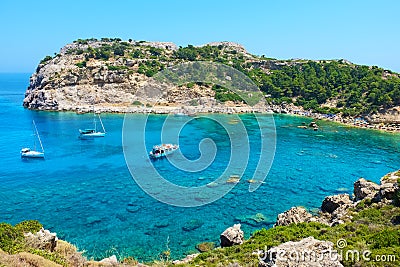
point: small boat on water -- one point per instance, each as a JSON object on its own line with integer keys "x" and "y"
{"x": 33, "y": 153}
{"x": 160, "y": 151}
{"x": 92, "y": 132}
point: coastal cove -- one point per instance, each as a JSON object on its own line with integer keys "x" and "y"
{"x": 84, "y": 191}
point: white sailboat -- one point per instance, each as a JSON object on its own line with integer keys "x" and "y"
{"x": 33, "y": 153}
{"x": 92, "y": 132}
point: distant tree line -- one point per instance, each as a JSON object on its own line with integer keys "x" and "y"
{"x": 355, "y": 89}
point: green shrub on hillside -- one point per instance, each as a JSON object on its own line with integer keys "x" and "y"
{"x": 12, "y": 238}
{"x": 222, "y": 94}
{"x": 31, "y": 226}
{"x": 81, "y": 64}
{"x": 45, "y": 59}
{"x": 370, "y": 230}
{"x": 117, "y": 67}
{"x": 150, "y": 67}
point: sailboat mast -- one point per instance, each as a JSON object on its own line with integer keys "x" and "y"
{"x": 38, "y": 136}
{"x": 34, "y": 133}
{"x": 101, "y": 122}
{"x": 94, "y": 120}
{"x": 95, "y": 124}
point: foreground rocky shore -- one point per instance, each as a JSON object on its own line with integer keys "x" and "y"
{"x": 367, "y": 222}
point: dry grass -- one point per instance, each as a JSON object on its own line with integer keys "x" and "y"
{"x": 24, "y": 259}
{"x": 70, "y": 253}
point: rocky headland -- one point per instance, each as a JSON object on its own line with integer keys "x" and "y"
{"x": 108, "y": 74}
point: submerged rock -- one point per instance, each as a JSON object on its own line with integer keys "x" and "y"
{"x": 294, "y": 215}
{"x": 205, "y": 246}
{"x": 233, "y": 179}
{"x": 258, "y": 219}
{"x": 232, "y": 236}
{"x": 92, "y": 220}
{"x": 161, "y": 224}
{"x": 192, "y": 225}
{"x": 132, "y": 209}
{"x": 308, "y": 252}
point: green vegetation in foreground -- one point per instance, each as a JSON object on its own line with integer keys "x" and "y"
{"x": 13, "y": 242}
{"x": 12, "y": 238}
{"x": 371, "y": 229}
{"x": 348, "y": 88}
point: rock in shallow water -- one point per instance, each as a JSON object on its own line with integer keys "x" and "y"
{"x": 92, "y": 220}
{"x": 132, "y": 209}
{"x": 161, "y": 224}
{"x": 205, "y": 246}
{"x": 256, "y": 220}
{"x": 192, "y": 225}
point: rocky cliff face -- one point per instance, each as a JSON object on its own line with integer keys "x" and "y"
{"x": 61, "y": 85}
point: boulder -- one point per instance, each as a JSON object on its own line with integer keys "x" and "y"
{"x": 389, "y": 185}
{"x": 110, "y": 261}
{"x": 365, "y": 189}
{"x": 331, "y": 203}
{"x": 232, "y": 236}
{"x": 395, "y": 220}
{"x": 305, "y": 253}
{"x": 388, "y": 190}
{"x": 42, "y": 240}
{"x": 187, "y": 259}
{"x": 294, "y": 215}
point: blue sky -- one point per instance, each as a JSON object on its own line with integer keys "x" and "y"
{"x": 364, "y": 32}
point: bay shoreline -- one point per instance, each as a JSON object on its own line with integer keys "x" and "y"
{"x": 290, "y": 110}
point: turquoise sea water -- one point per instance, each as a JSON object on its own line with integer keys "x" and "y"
{"x": 85, "y": 193}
